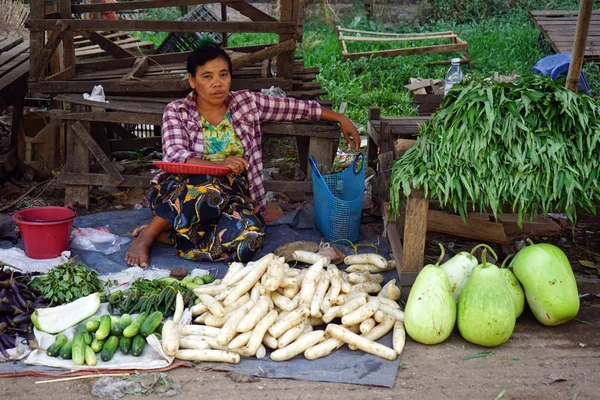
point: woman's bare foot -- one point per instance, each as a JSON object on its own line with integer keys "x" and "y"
{"x": 139, "y": 250}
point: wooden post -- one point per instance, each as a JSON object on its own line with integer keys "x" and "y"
{"x": 415, "y": 230}
{"x": 583, "y": 26}
{"x": 224, "y": 18}
{"x": 374, "y": 114}
{"x": 37, "y": 37}
{"x": 285, "y": 61}
{"x": 78, "y": 162}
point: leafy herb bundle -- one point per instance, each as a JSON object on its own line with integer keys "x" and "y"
{"x": 68, "y": 282}
{"x": 532, "y": 145}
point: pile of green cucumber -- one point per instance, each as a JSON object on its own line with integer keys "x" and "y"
{"x": 103, "y": 334}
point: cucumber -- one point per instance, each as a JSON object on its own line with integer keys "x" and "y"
{"x": 158, "y": 336}
{"x": 138, "y": 345}
{"x": 65, "y": 351}
{"x": 187, "y": 279}
{"x": 151, "y": 323}
{"x": 135, "y": 326}
{"x": 208, "y": 278}
{"x": 104, "y": 329}
{"x": 97, "y": 345}
{"x": 167, "y": 280}
{"x": 198, "y": 280}
{"x": 116, "y": 329}
{"x": 125, "y": 344}
{"x": 92, "y": 325}
{"x": 90, "y": 356}
{"x": 191, "y": 285}
{"x": 54, "y": 349}
{"x": 78, "y": 352}
{"x": 125, "y": 320}
{"x": 110, "y": 346}
{"x": 87, "y": 338}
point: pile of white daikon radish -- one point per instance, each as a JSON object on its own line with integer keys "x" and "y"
{"x": 268, "y": 303}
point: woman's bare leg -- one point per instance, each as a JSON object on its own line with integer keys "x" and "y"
{"x": 139, "y": 251}
{"x": 162, "y": 238}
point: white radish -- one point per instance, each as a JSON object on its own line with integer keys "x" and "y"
{"x": 179, "y": 306}
{"x": 249, "y": 280}
{"x": 213, "y": 305}
{"x": 190, "y": 342}
{"x": 208, "y": 356}
{"x": 291, "y": 291}
{"x": 326, "y": 304}
{"x": 313, "y": 321}
{"x": 230, "y": 328}
{"x": 366, "y": 268}
{"x": 240, "y": 340}
{"x": 259, "y": 331}
{"x": 379, "y": 330}
{"x": 282, "y": 302}
{"x": 369, "y": 287}
{"x": 352, "y": 305}
{"x": 323, "y": 349}
{"x": 299, "y": 346}
{"x": 309, "y": 283}
{"x": 396, "y": 313}
{"x": 274, "y": 276}
{"x": 389, "y": 302}
{"x": 360, "y": 314}
{"x": 241, "y": 274}
{"x": 336, "y": 287}
{"x": 292, "y": 319}
{"x": 255, "y": 292}
{"x": 202, "y": 318}
{"x": 261, "y": 352}
{"x": 237, "y": 304}
{"x": 390, "y": 291}
{"x": 254, "y": 314}
{"x": 291, "y": 335}
{"x": 365, "y": 277}
{"x": 332, "y": 313}
{"x": 322, "y": 286}
{"x": 201, "y": 330}
{"x": 170, "y": 339}
{"x": 371, "y": 258}
{"x": 216, "y": 322}
{"x": 307, "y": 257}
{"x": 364, "y": 344}
{"x": 234, "y": 267}
{"x": 367, "y": 325}
{"x": 346, "y": 286}
{"x": 210, "y": 289}
{"x": 270, "y": 341}
{"x": 291, "y": 272}
{"x": 399, "y": 337}
{"x": 198, "y": 309}
{"x": 289, "y": 281}
{"x": 221, "y": 296}
{"x": 379, "y": 316}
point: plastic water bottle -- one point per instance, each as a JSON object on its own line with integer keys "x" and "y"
{"x": 453, "y": 76}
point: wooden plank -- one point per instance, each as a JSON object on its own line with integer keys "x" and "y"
{"x": 139, "y": 69}
{"x": 249, "y": 11}
{"x": 64, "y": 75}
{"x": 447, "y": 48}
{"x": 119, "y": 130}
{"x": 415, "y": 230}
{"x": 113, "y": 117}
{"x": 156, "y": 86}
{"x": 132, "y": 144}
{"x": 10, "y": 42}
{"x": 249, "y": 59}
{"x": 36, "y": 25}
{"x": 14, "y": 52}
{"x": 137, "y": 5}
{"x": 9, "y": 66}
{"x": 82, "y": 42}
{"x": 107, "y": 45}
{"x": 87, "y": 179}
{"x": 11, "y": 82}
{"x": 122, "y": 42}
{"x": 408, "y": 38}
{"x": 444, "y": 222}
{"x": 42, "y": 59}
{"x": 78, "y": 162}
{"x": 64, "y": 8}
{"x": 394, "y": 238}
{"x": 288, "y": 186}
{"x": 87, "y": 139}
{"x": 558, "y": 13}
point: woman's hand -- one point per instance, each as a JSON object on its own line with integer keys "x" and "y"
{"x": 236, "y": 163}
{"x": 346, "y": 126}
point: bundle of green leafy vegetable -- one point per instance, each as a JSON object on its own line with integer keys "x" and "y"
{"x": 68, "y": 282}
{"x": 531, "y": 144}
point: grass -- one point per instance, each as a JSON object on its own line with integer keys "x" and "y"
{"x": 502, "y": 44}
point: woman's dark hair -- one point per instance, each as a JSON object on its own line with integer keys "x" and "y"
{"x": 204, "y": 54}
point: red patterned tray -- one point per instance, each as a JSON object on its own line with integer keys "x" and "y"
{"x": 192, "y": 169}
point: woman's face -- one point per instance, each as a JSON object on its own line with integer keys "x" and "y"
{"x": 212, "y": 82}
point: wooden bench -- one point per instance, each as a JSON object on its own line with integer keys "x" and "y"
{"x": 314, "y": 138}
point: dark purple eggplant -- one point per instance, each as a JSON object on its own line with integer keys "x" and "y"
{"x": 22, "y": 318}
{"x": 8, "y": 340}
{"x": 3, "y": 351}
{"x": 22, "y": 303}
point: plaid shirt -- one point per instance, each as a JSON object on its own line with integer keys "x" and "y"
{"x": 182, "y": 136}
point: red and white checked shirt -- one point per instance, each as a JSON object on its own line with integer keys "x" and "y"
{"x": 182, "y": 135}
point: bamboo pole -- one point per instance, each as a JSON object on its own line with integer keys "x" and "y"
{"x": 583, "y": 25}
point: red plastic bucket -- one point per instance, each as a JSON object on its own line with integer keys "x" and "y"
{"x": 45, "y": 231}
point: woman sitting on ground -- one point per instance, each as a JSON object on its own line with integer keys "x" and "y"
{"x": 217, "y": 218}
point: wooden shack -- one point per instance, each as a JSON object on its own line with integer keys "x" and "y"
{"x": 139, "y": 83}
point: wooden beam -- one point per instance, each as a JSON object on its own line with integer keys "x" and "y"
{"x": 252, "y": 58}
{"x": 113, "y": 117}
{"x": 136, "y": 5}
{"x": 43, "y": 58}
{"x": 108, "y": 45}
{"x": 139, "y": 69}
{"x": 131, "y": 144}
{"x": 87, "y": 139}
{"x": 166, "y": 26}
{"x": 486, "y": 231}
{"x": 447, "y": 48}
{"x": 288, "y": 186}
{"x": 86, "y": 179}
{"x": 250, "y": 11}
{"x": 64, "y": 75}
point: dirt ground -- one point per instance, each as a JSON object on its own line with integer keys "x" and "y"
{"x": 536, "y": 363}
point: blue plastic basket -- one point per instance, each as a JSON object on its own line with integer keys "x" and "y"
{"x": 338, "y": 200}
